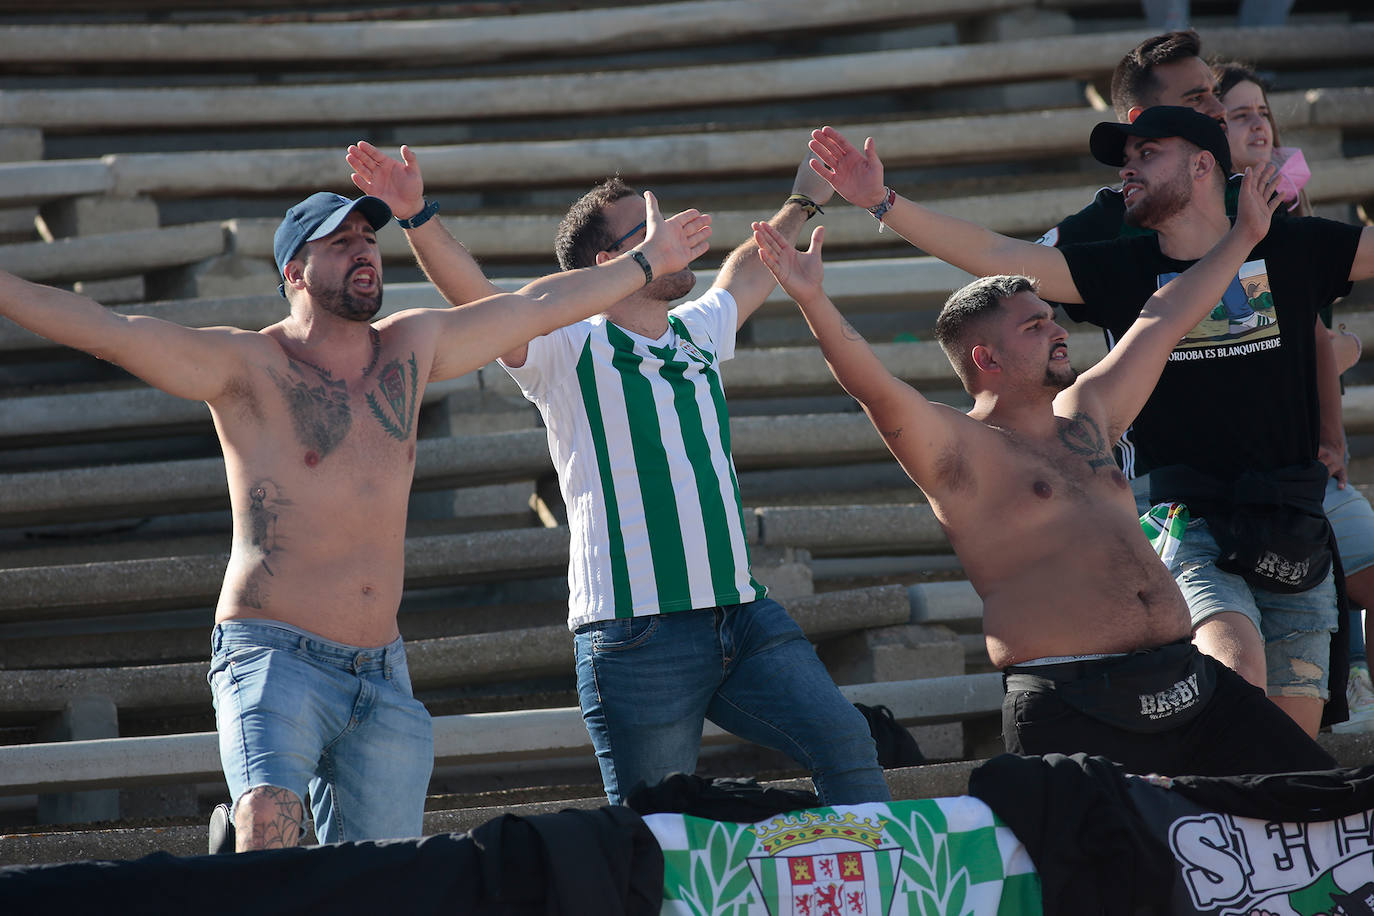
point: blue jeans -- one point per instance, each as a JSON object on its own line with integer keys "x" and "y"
{"x": 647, "y": 684}
{"x": 298, "y": 711}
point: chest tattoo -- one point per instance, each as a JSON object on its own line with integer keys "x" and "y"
{"x": 396, "y": 408}
{"x": 318, "y": 406}
{"x": 1082, "y": 436}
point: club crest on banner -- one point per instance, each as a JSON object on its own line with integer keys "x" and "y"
{"x": 825, "y": 865}
{"x": 947, "y": 856}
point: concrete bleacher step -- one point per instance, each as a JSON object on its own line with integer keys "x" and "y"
{"x": 136, "y": 586}
{"x": 121, "y": 490}
{"x": 528, "y": 237}
{"x": 1021, "y": 136}
{"x": 436, "y": 663}
{"x": 460, "y": 39}
{"x": 473, "y": 737}
{"x": 715, "y": 83}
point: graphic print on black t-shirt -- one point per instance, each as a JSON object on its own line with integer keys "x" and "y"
{"x": 1242, "y": 322}
{"x": 1225, "y": 404}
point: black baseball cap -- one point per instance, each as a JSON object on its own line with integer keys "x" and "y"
{"x": 317, "y": 216}
{"x": 1108, "y": 139}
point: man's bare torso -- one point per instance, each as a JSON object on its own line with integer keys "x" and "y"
{"x": 1048, "y": 534}
{"x": 319, "y": 467}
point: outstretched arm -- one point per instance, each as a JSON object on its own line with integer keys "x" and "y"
{"x": 187, "y": 362}
{"x": 915, "y": 430}
{"x": 1122, "y": 381}
{"x": 472, "y": 335}
{"x": 858, "y": 177}
{"x": 449, "y": 266}
{"x": 743, "y": 274}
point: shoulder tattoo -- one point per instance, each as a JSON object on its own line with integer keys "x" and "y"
{"x": 1082, "y": 436}
{"x": 396, "y": 409}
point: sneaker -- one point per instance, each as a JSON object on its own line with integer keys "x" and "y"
{"x": 222, "y": 829}
{"x": 1250, "y": 322}
{"x": 1359, "y": 693}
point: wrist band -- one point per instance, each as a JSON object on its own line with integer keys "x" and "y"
{"x": 643, "y": 262}
{"x": 419, "y": 219}
{"x": 806, "y": 203}
{"x": 880, "y": 210}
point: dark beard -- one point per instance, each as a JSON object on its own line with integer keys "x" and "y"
{"x": 1060, "y": 382}
{"x": 671, "y": 287}
{"x": 1166, "y": 201}
{"x": 343, "y": 303}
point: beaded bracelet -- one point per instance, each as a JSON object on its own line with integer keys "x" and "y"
{"x": 881, "y": 208}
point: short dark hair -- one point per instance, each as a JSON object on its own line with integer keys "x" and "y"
{"x": 967, "y": 309}
{"x": 1133, "y": 81}
{"x": 583, "y": 232}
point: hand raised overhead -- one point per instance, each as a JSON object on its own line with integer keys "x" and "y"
{"x": 671, "y": 244}
{"x": 856, "y": 174}
{"x": 397, "y": 183}
{"x": 800, "y": 274}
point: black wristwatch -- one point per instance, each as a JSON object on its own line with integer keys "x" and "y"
{"x": 419, "y": 219}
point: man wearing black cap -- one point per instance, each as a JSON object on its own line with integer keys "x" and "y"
{"x": 1165, "y": 69}
{"x": 1168, "y": 69}
{"x": 1238, "y": 394}
{"x": 316, "y": 415}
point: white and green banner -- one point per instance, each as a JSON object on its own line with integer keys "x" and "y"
{"x": 946, "y": 856}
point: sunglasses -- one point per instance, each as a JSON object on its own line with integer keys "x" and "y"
{"x": 620, "y": 241}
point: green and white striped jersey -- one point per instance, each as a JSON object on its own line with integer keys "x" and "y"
{"x": 640, "y": 436}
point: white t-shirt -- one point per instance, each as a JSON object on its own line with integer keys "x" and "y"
{"x": 640, "y": 436}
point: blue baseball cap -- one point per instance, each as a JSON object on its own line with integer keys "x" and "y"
{"x": 317, "y": 216}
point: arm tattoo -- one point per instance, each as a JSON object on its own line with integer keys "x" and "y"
{"x": 848, "y": 331}
{"x": 892, "y": 435}
{"x": 391, "y": 382}
{"x": 319, "y": 412}
{"x": 282, "y": 829}
{"x": 1082, "y": 436}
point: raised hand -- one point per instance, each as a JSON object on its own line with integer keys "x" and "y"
{"x": 671, "y": 244}
{"x": 1257, "y": 201}
{"x": 397, "y": 183}
{"x": 856, "y": 174}
{"x": 800, "y": 274}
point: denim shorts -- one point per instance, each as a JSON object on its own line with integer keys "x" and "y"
{"x": 1352, "y": 518}
{"x": 301, "y": 712}
{"x": 1296, "y": 628}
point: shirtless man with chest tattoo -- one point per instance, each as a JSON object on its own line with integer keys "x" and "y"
{"x": 316, "y": 416}
{"x": 1086, "y": 623}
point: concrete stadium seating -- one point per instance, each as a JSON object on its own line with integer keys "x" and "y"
{"x": 147, "y": 148}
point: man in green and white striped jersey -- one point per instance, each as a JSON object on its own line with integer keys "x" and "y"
{"x": 671, "y": 627}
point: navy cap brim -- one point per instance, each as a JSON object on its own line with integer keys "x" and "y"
{"x": 376, "y": 211}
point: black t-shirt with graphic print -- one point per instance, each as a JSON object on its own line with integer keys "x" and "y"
{"x": 1239, "y": 391}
